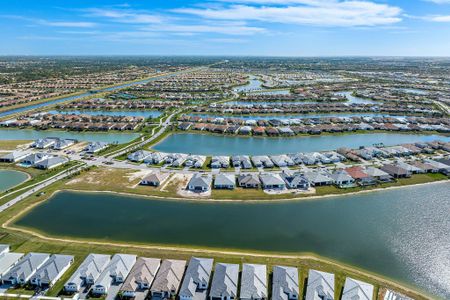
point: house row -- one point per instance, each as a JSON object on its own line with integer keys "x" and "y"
{"x": 38, "y": 160}
{"x": 53, "y": 143}
{"x": 172, "y": 159}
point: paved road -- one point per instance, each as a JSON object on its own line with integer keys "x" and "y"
{"x": 42, "y": 185}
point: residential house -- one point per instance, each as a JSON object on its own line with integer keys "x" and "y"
{"x": 52, "y": 270}
{"x": 43, "y": 143}
{"x": 95, "y": 147}
{"x": 200, "y": 182}
{"x": 61, "y": 144}
{"x": 378, "y": 174}
{"x": 272, "y": 181}
{"x": 426, "y": 168}
{"x": 443, "y": 168}
{"x": 220, "y": 162}
{"x": 141, "y": 276}
{"x": 14, "y": 156}
{"x": 25, "y": 268}
{"x": 4, "y": 248}
{"x": 358, "y": 174}
{"x": 8, "y": 260}
{"x": 253, "y": 282}
{"x": 225, "y": 181}
{"x": 410, "y": 168}
{"x": 295, "y": 180}
{"x": 115, "y": 272}
{"x": 139, "y": 155}
{"x": 342, "y": 179}
{"x": 225, "y": 281}
{"x": 393, "y": 295}
{"x": 51, "y": 162}
{"x": 250, "y": 180}
{"x": 395, "y": 171}
{"x": 318, "y": 178}
{"x": 87, "y": 273}
{"x": 355, "y": 289}
{"x": 168, "y": 279}
{"x": 320, "y": 285}
{"x": 154, "y": 179}
{"x": 34, "y": 158}
{"x": 196, "y": 279}
{"x": 285, "y": 284}
{"x": 242, "y": 161}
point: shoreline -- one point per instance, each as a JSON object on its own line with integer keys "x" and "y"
{"x": 16, "y": 185}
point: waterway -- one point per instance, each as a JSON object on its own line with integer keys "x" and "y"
{"x": 10, "y": 178}
{"x": 400, "y": 233}
{"x": 127, "y": 113}
{"x": 287, "y": 116}
{"x": 254, "y": 84}
{"x": 353, "y": 99}
{"x": 31, "y": 134}
{"x": 206, "y": 144}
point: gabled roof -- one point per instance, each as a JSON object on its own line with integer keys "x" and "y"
{"x": 27, "y": 265}
{"x": 271, "y": 179}
{"x": 197, "y": 272}
{"x": 224, "y": 179}
{"x": 284, "y": 283}
{"x": 225, "y": 280}
{"x": 202, "y": 180}
{"x": 169, "y": 275}
{"x": 91, "y": 268}
{"x": 375, "y": 172}
{"x": 120, "y": 265}
{"x": 53, "y": 267}
{"x": 254, "y": 281}
{"x": 144, "y": 271}
{"x": 355, "y": 289}
{"x": 320, "y": 285}
{"x": 7, "y": 260}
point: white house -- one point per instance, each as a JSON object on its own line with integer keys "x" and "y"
{"x": 51, "y": 270}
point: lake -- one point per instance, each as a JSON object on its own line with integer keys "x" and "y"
{"x": 354, "y": 99}
{"x": 10, "y": 178}
{"x": 206, "y": 144}
{"x": 128, "y": 113}
{"x": 399, "y": 233}
{"x": 288, "y": 116}
{"x": 31, "y": 134}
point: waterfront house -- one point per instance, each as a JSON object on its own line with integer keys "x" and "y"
{"x": 154, "y": 179}
{"x": 225, "y": 181}
{"x": 426, "y": 168}
{"x": 285, "y": 285}
{"x": 139, "y": 155}
{"x": 14, "y": 156}
{"x": 378, "y": 174}
{"x": 395, "y": 171}
{"x": 168, "y": 279}
{"x": 115, "y": 273}
{"x": 393, "y": 295}
{"x": 241, "y": 161}
{"x": 318, "y": 178}
{"x": 249, "y": 180}
{"x": 4, "y": 248}
{"x": 294, "y": 180}
{"x": 342, "y": 179}
{"x": 52, "y": 270}
{"x": 61, "y": 144}
{"x": 155, "y": 158}
{"x": 87, "y": 273}
{"x": 8, "y": 260}
{"x": 443, "y": 168}
{"x": 43, "y": 143}
{"x": 196, "y": 279}
{"x": 253, "y": 282}
{"x": 282, "y": 161}
{"x": 95, "y": 147}
{"x": 358, "y": 174}
{"x": 320, "y": 285}
{"x": 272, "y": 181}
{"x": 196, "y": 161}
{"x": 200, "y": 182}
{"x": 355, "y": 289}
{"x": 51, "y": 162}
{"x": 410, "y": 168}
{"x": 34, "y": 158}
{"x": 220, "y": 162}
{"x": 225, "y": 281}
{"x": 25, "y": 268}
{"x": 141, "y": 276}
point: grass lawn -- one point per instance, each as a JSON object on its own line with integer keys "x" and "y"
{"x": 12, "y": 144}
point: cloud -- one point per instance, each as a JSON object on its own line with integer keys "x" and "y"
{"x": 221, "y": 28}
{"x": 126, "y": 16}
{"x": 439, "y": 1}
{"x": 304, "y": 12}
{"x": 72, "y": 24}
{"x": 438, "y": 18}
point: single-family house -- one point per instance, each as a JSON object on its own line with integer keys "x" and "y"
{"x": 342, "y": 179}
{"x": 409, "y": 167}
{"x": 220, "y": 162}
{"x": 358, "y": 174}
{"x": 115, "y": 272}
{"x": 272, "y": 181}
{"x": 426, "y": 168}
{"x": 443, "y": 168}
{"x": 21, "y": 272}
{"x": 253, "y": 282}
{"x": 168, "y": 279}
{"x": 154, "y": 179}
{"x": 139, "y": 155}
{"x": 295, "y": 180}
{"x": 225, "y": 181}
{"x": 14, "y": 156}
{"x": 141, "y": 276}
{"x": 43, "y": 143}
{"x": 87, "y": 273}
{"x": 320, "y": 285}
{"x": 51, "y": 270}
{"x": 250, "y": 180}
{"x": 225, "y": 281}
{"x": 285, "y": 285}
{"x": 393, "y": 295}
{"x": 196, "y": 279}
{"x": 95, "y": 147}
{"x": 4, "y": 248}
{"x": 34, "y": 158}
{"x": 8, "y": 260}
{"x": 200, "y": 182}
{"x": 355, "y": 289}
{"x": 61, "y": 144}
{"x": 51, "y": 162}
{"x": 395, "y": 171}
{"x": 318, "y": 178}
{"x": 378, "y": 174}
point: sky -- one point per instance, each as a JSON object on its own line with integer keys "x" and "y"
{"x": 226, "y": 27}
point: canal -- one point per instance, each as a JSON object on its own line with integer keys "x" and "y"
{"x": 206, "y": 144}
{"x": 114, "y": 113}
{"x": 31, "y": 134}
{"x": 399, "y": 233}
{"x": 11, "y": 178}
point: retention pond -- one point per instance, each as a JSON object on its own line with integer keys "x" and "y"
{"x": 398, "y": 233}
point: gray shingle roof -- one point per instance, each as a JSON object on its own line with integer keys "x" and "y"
{"x": 225, "y": 280}
{"x": 285, "y": 283}
{"x": 196, "y": 277}
{"x": 52, "y": 268}
{"x": 320, "y": 286}
{"x": 254, "y": 282}
{"x": 26, "y": 266}
{"x": 90, "y": 268}
{"x": 169, "y": 276}
{"x": 355, "y": 289}
{"x": 144, "y": 271}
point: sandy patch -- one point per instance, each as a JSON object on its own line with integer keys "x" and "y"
{"x": 309, "y": 191}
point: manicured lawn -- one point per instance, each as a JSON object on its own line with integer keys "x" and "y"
{"x": 12, "y": 144}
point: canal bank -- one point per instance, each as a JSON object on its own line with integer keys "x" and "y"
{"x": 400, "y": 224}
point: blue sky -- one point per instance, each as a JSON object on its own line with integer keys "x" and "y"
{"x": 226, "y": 27}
